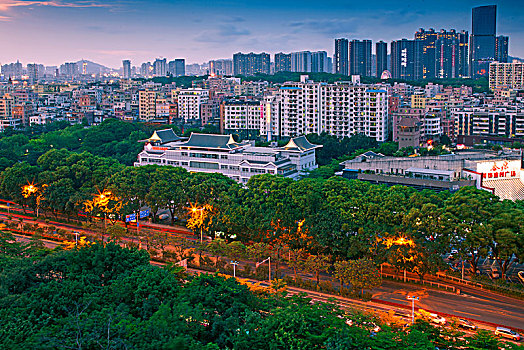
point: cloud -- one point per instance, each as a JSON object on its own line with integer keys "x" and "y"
{"x": 6, "y": 5}
{"x": 4, "y": 18}
{"x": 331, "y": 27}
{"x": 223, "y": 33}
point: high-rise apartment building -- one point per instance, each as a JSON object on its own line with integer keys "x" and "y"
{"x": 160, "y": 67}
{"x": 501, "y": 48}
{"x": 406, "y": 62}
{"x": 360, "y": 57}
{"x": 301, "y": 61}
{"x": 482, "y": 43}
{"x": 251, "y": 63}
{"x": 69, "y": 69}
{"x": 506, "y": 75}
{"x": 427, "y": 39}
{"x": 282, "y": 62}
{"x": 451, "y": 54}
{"x": 127, "y": 69}
{"x": 444, "y": 54}
{"x": 147, "y": 105}
{"x": 190, "y": 102}
{"x": 319, "y": 62}
{"x": 221, "y": 67}
{"x": 146, "y": 70}
{"x": 177, "y": 68}
{"x": 12, "y": 70}
{"x": 381, "y": 52}
{"x": 32, "y": 72}
{"x": 339, "y": 109}
{"x": 341, "y": 58}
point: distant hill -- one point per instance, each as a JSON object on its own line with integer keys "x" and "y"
{"x": 93, "y": 68}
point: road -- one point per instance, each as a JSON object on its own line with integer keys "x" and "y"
{"x": 472, "y": 303}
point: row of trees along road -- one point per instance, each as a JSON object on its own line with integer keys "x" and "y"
{"x": 344, "y": 219}
{"x": 107, "y": 297}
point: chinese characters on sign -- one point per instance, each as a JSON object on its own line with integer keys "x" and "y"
{"x": 500, "y": 170}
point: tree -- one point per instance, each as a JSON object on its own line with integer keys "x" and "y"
{"x": 362, "y": 274}
{"x": 470, "y": 211}
{"x": 316, "y": 264}
{"x": 506, "y": 231}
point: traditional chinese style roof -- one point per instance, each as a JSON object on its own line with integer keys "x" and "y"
{"x": 300, "y": 144}
{"x": 164, "y": 136}
{"x": 211, "y": 141}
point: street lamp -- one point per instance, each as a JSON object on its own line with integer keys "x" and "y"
{"x": 194, "y": 210}
{"x": 412, "y": 298}
{"x": 269, "y": 261}
{"x": 234, "y": 263}
{"x": 76, "y": 233}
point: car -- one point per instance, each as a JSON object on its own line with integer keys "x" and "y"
{"x": 163, "y": 216}
{"x": 507, "y": 333}
{"x": 437, "y": 319}
{"x": 462, "y": 322}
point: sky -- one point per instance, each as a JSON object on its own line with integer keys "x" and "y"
{"x": 51, "y": 32}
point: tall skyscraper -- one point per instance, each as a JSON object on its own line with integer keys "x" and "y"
{"x": 160, "y": 67}
{"x": 282, "y": 62}
{"x": 319, "y": 62}
{"x": 381, "y": 52}
{"x": 127, "y": 69}
{"x": 427, "y": 39}
{"x": 360, "y": 57}
{"x": 501, "y": 48}
{"x": 32, "y": 72}
{"x": 301, "y": 61}
{"x": 180, "y": 67}
{"x": 450, "y": 52}
{"x": 482, "y": 43}
{"x": 406, "y": 60}
{"x": 251, "y": 63}
{"x": 221, "y": 67}
{"x": 341, "y": 59}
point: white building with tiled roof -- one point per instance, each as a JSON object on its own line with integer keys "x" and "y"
{"x": 222, "y": 154}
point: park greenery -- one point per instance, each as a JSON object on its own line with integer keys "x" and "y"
{"x": 320, "y": 215}
{"x": 103, "y": 296}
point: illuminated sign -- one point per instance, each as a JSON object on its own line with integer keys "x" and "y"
{"x": 404, "y": 58}
{"x": 504, "y": 169}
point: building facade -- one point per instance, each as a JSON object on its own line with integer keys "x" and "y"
{"x": 189, "y": 103}
{"x": 222, "y": 154}
{"x": 126, "y": 69}
{"x": 360, "y": 57}
{"x": 381, "y": 51}
{"x": 482, "y": 49}
{"x": 501, "y": 48}
{"x": 406, "y": 62}
{"x": 282, "y": 62}
{"x": 251, "y": 63}
{"x": 341, "y": 57}
{"x": 506, "y": 75}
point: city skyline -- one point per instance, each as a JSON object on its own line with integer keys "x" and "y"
{"x": 53, "y": 32}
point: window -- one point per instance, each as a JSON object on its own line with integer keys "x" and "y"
{"x": 203, "y": 165}
{"x": 223, "y": 156}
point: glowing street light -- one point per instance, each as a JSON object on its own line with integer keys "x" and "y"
{"x": 201, "y": 222}
{"x": 29, "y": 190}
